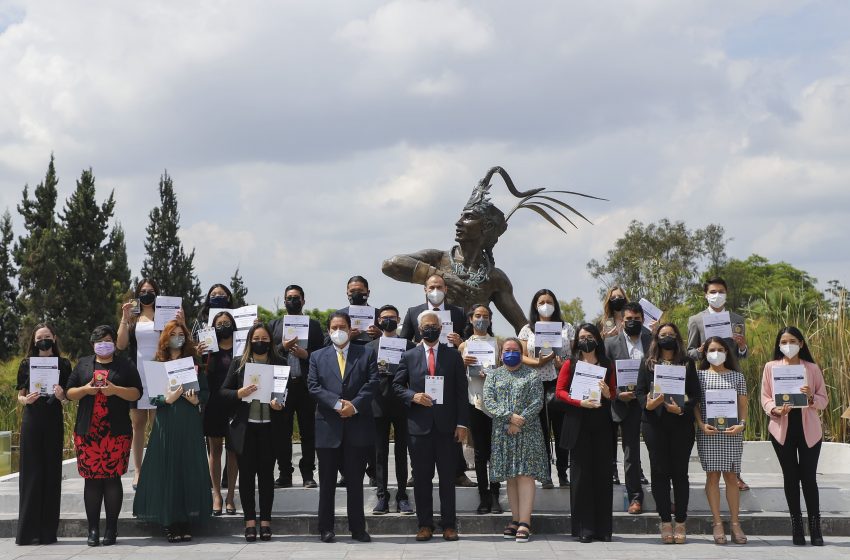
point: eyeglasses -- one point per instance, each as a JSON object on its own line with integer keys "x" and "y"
{"x": 585, "y": 338}
{"x": 224, "y": 324}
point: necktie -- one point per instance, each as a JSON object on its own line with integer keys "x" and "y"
{"x": 432, "y": 365}
{"x": 341, "y": 361}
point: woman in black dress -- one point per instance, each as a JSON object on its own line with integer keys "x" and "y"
{"x": 42, "y": 437}
{"x": 105, "y": 385}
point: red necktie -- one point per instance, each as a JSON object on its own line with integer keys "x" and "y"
{"x": 432, "y": 366}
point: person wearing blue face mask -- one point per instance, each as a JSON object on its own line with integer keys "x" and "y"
{"x": 513, "y": 394}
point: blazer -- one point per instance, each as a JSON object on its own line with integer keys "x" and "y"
{"x": 574, "y": 414}
{"x": 410, "y": 379}
{"x": 617, "y": 349}
{"x": 358, "y": 385}
{"x": 315, "y": 340}
{"x": 660, "y": 416}
{"x": 122, "y": 372}
{"x": 410, "y": 328}
{"x": 778, "y": 427}
{"x": 696, "y": 335}
{"x": 386, "y": 403}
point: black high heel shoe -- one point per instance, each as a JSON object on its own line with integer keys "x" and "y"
{"x": 251, "y": 534}
{"x": 265, "y": 533}
{"x": 171, "y": 534}
{"x": 94, "y": 537}
{"x": 109, "y": 537}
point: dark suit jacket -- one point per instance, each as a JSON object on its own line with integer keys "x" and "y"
{"x": 575, "y": 416}
{"x": 358, "y": 385}
{"x": 410, "y": 379}
{"x": 410, "y": 328}
{"x": 616, "y": 349}
{"x": 235, "y": 440}
{"x": 660, "y": 416}
{"x": 122, "y": 372}
{"x": 315, "y": 340}
{"x": 386, "y": 403}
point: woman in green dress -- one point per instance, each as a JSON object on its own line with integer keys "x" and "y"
{"x": 174, "y": 487}
{"x": 513, "y": 393}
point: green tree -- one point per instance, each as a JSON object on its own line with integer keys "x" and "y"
{"x": 572, "y": 311}
{"x": 166, "y": 261}
{"x": 238, "y": 289}
{"x": 119, "y": 270}
{"x": 9, "y": 320}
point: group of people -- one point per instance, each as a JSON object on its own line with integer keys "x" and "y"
{"x": 518, "y": 410}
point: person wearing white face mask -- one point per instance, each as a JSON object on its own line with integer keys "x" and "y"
{"x": 720, "y": 447}
{"x": 796, "y": 433}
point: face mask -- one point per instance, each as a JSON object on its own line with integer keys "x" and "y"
{"x": 293, "y": 305}
{"x": 176, "y": 342}
{"x": 633, "y": 327}
{"x": 481, "y": 324}
{"x": 617, "y": 303}
{"x": 260, "y": 347}
{"x": 44, "y": 344}
{"x": 668, "y": 342}
{"x": 716, "y": 357}
{"x": 511, "y": 358}
{"x": 339, "y": 337}
{"x": 223, "y": 333}
{"x": 716, "y": 300}
{"x": 546, "y": 310}
{"x": 357, "y": 298}
{"x": 436, "y": 297}
{"x": 790, "y": 350}
{"x": 587, "y": 345}
{"x": 431, "y": 333}
{"x": 388, "y": 325}
{"x": 219, "y": 302}
{"x": 147, "y": 298}
{"x": 104, "y": 349}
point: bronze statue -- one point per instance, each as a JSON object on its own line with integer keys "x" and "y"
{"x": 469, "y": 268}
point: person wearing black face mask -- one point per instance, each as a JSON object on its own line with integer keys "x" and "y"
{"x": 611, "y": 323}
{"x": 298, "y": 400}
{"x": 632, "y": 344}
{"x": 218, "y": 297}
{"x": 357, "y": 292}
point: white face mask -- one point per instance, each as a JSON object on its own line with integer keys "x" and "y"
{"x": 546, "y": 310}
{"x": 436, "y": 297}
{"x": 716, "y": 357}
{"x": 790, "y": 350}
{"x": 339, "y": 337}
{"x": 717, "y": 300}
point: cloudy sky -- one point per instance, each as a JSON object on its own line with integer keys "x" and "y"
{"x": 308, "y": 141}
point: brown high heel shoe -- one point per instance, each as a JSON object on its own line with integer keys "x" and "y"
{"x": 719, "y": 533}
{"x": 667, "y": 533}
{"x": 679, "y": 534}
{"x": 738, "y": 536}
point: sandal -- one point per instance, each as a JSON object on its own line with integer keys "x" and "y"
{"x": 742, "y": 486}
{"x": 719, "y": 533}
{"x": 511, "y": 529}
{"x": 667, "y": 533}
{"x": 679, "y": 535}
{"x": 523, "y": 533}
{"x": 738, "y": 537}
{"x": 251, "y": 534}
{"x": 171, "y": 535}
{"x": 265, "y": 533}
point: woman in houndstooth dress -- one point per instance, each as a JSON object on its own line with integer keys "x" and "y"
{"x": 720, "y": 448}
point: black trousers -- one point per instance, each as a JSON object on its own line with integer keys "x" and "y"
{"x": 351, "y": 461}
{"x": 669, "y": 445}
{"x": 40, "y": 480}
{"x": 398, "y": 421}
{"x": 481, "y": 428}
{"x": 300, "y": 403}
{"x": 257, "y": 460}
{"x": 799, "y": 464}
{"x": 436, "y": 449}
{"x": 591, "y": 489}
{"x": 630, "y": 430}
{"x": 552, "y": 427}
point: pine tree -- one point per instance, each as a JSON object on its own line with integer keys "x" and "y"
{"x": 118, "y": 270}
{"x": 166, "y": 262}
{"x": 9, "y": 318}
{"x": 238, "y": 289}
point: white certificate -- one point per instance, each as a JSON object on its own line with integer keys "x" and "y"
{"x": 627, "y": 374}
{"x": 547, "y": 335}
{"x": 281, "y": 379}
{"x": 447, "y": 326}
{"x": 484, "y": 352}
{"x": 182, "y": 372}
{"x": 434, "y": 388}
{"x": 44, "y": 374}
{"x": 165, "y": 310}
{"x": 208, "y": 337}
{"x": 585, "y": 383}
{"x": 154, "y": 383}
{"x": 721, "y": 408}
{"x": 239, "y": 341}
{"x": 717, "y": 324}
{"x": 390, "y": 349}
{"x": 261, "y": 375}
{"x": 297, "y": 326}
{"x": 362, "y": 316}
{"x": 650, "y": 311}
{"x": 670, "y": 380}
{"x": 787, "y": 381}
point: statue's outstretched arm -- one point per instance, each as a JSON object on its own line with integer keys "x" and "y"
{"x": 415, "y": 267}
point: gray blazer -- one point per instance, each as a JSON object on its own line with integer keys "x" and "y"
{"x": 616, "y": 349}
{"x": 696, "y": 335}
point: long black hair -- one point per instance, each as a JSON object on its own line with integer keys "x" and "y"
{"x": 654, "y": 353}
{"x": 467, "y": 329}
{"x": 32, "y": 351}
{"x": 205, "y": 308}
{"x": 731, "y": 360}
{"x": 534, "y": 315}
{"x": 805, "y": 353}
{"x": 599, "y": 352}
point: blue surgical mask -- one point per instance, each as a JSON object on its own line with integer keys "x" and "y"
{"x": 511, "y": 358}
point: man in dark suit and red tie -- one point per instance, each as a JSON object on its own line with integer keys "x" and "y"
{"x": 431, "y": 381}
{"x": 343, "y": 379}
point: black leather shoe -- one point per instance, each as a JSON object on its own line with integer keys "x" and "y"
{"x": 361, "y": 537}
{"x": 341, "y": 482}
{"x": 615, "y": 478}
{"x": 283, "y": 483}
{"x": 328, "y": 536}
{"x": 310, "y": 483}
{"x": 94, "y": 538}
{"x": 109, "y": 537}
{"x": 585, "y": 539}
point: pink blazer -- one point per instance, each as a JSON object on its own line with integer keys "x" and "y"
{"x": 778, "y": 427}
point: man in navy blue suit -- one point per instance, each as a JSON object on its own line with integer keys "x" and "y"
{"x": 434, "y": 425}
{"x": 343, "y": 379}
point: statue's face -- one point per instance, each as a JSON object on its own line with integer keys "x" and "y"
{"x": 469, "y": 227}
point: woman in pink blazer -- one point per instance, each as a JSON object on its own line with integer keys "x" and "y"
{"x": 796, "y": 433}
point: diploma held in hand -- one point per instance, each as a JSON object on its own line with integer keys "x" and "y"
{"x": 787, "y": 381}
{"x": 261, "y": 375}
{"x": 721, "y": 408}
{"x": 281, "y": 380}
{"x": 182, "y": 372}
{"x": 547, "y": 336}
{"x": 44, "y": 374}
{"x": 165, "y": 310}
{"x": 585, "y": 383}
{"x": 627, "y": 374}
{"x": 296, "y": 326}
{"x": 670, "y": 380}
{"x": 434, "y": 388}
{"x": 717, "y": 324}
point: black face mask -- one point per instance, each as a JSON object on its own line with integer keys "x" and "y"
{"x": 357, "y": 298}
{"x": 617, "y": 303}
{"x": 388, "y": 325}
{"x": 430, "y": 333}
{"x": 293, "y": 305}
{"x": 633, "y": 327}
{"x": 668, "y": 342}
{"x": 44, "y": 344}
{"x": 260, "y": 347}
{"x": 223, "y": 333}
{"x": 587, "y": 345}
{"x": 147, "y": 298}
